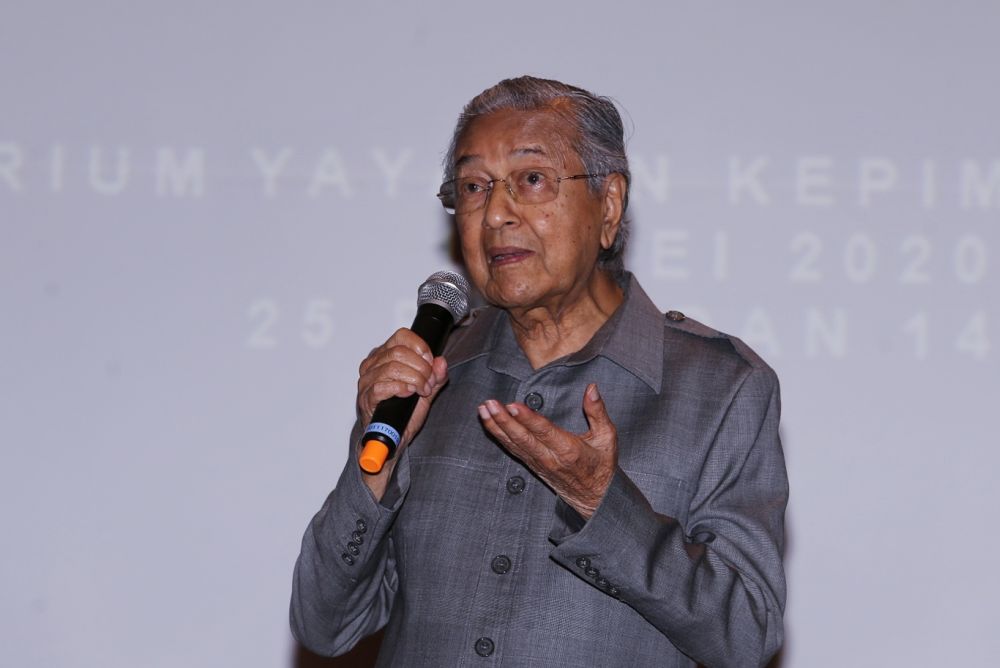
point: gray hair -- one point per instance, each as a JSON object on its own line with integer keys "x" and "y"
{"x": 599, "y": 140}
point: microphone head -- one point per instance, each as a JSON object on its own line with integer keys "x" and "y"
{"x": 448, "y": 290}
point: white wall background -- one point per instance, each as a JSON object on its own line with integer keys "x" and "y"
{"x": 209, "y": 212}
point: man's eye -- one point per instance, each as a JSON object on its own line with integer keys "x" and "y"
{"x": 472, "y": 187}
{"x": 533, "y": 178}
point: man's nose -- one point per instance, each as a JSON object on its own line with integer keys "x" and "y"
{"x": 498, "y": 210}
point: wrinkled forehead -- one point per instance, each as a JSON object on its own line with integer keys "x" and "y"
{"x": 542, "y": 136}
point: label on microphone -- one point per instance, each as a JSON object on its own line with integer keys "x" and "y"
{"x": 383, "y": 428}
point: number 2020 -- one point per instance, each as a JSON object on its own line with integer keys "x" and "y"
{"x": 860, "y": 259}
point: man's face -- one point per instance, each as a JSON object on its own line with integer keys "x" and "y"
{"x": 520, "y": 255}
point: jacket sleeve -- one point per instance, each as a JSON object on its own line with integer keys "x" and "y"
{"x": 345, "y": 577}
{"x": 715, "y": 587}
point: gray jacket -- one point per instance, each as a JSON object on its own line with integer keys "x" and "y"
{"x": 472, "y": 561}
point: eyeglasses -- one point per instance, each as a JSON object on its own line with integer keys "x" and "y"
{"x": 536, "y": 185}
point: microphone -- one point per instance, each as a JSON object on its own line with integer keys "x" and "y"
{"x": 442, "y": 300}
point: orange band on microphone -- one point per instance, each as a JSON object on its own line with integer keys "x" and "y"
{"x": 373, "y": 456}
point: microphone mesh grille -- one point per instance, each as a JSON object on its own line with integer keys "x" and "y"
{"x": 448, "y": 290}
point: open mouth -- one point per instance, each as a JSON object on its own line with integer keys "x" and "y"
{"x": 501, "y": 256}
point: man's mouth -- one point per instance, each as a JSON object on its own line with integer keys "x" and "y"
{"x": 508, "y": 255}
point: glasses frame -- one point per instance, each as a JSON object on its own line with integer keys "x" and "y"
{"x": 441, "y": 195}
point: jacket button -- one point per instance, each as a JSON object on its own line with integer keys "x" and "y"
{"x": 348, "y": 559}
{"x": 353, "y": 549}
{"x": 591, "y": 572}
{"x": 500, "y": 564}
{"x": 702, "y": 537}
{"x": 534, "y": 401}
{"x": 484, "y": 647}
{"x": 356, "y": 537}
{"x": 602, "y": 582}
{"x": 361, "y": 525}
{"x": 676, "y": 316}
{"x": 583, "y": 562}
{"x": 515, "y": 484}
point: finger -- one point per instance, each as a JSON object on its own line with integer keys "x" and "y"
{"x": 508, "y": 426}
{"x": 602, "y": 429}
{"x": 504, "y": 439}
{"x": 500, "y": 422}
{"x": 440, "y": 370}
{"x": 492, "y": 427}
{"x": 370, "y": 397}
{"x": 394, "y": 379}
{"x": 398, "y": 363}
{"x": 402, "y": 339}
{"x": 536, "y": 424}
{"x": 438, "y": 379}
{"x": 594, "y": 409}
{"x": 381, "y": 390}
{"x": 405, "y": 337}
{"x": 397, "y": 353}
{"x": 397, "y": 372}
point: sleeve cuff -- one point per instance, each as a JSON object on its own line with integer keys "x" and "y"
{"x": 622, "y": 516}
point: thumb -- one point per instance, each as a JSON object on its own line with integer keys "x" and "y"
{"x": 439, "y": 377}
{"x": 602, "y": 430}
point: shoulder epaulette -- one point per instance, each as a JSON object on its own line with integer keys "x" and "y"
{"x": 677, "y": 320}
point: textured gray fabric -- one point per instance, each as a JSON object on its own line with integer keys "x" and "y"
{"x": 681, "y": 563}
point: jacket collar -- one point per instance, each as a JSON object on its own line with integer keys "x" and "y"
{"x": 632, "y": 338}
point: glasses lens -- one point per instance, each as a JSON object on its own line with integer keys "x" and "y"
{"x": 470, "y": 193}
{"x": 535, "y": 186}
{"x": 446, "y": 193}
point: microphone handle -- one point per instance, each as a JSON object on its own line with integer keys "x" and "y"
{"x": 432, "y": 323}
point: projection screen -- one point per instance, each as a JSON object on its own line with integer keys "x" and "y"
{"x": 211, "y": 212}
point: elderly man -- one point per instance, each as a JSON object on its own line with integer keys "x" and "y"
{"x": 585, "y": 481}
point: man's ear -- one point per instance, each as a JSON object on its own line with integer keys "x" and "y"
{"x": 614, "y": 208}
